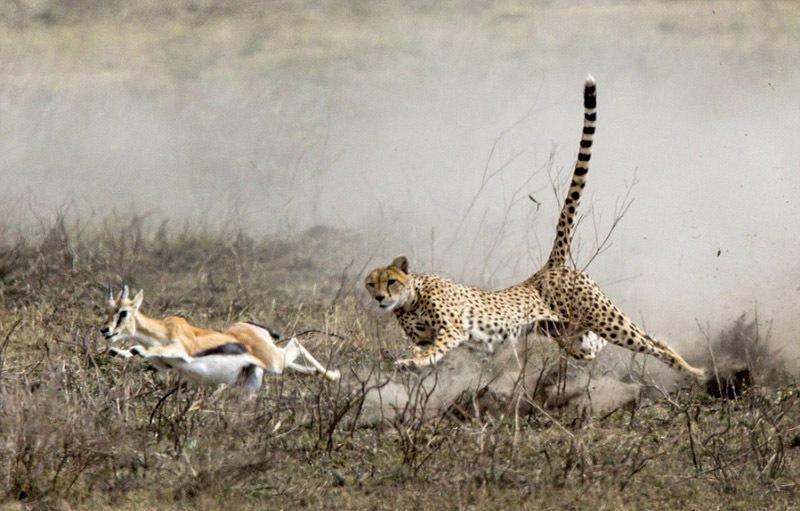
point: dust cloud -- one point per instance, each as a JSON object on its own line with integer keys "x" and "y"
{"x": 425, "y": 127}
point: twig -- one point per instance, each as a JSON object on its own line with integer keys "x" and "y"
{"x": 5, "y": 344}
{"x": 315, "y": 331}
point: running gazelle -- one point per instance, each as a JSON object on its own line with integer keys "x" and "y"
{"x": 238, "y": 356}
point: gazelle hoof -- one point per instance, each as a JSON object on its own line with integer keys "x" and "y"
{"x": 116, "y": 352}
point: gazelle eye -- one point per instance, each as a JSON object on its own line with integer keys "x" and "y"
{"x": 123, "y": 314}
{"x": 391, "y": 282}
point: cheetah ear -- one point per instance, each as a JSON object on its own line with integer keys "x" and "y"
{"x": 401, "y": 263}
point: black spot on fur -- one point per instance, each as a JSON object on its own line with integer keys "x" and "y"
{"x": 229, "y": 348}
{"x": 583, "y": 157}
{"x": 580, "y": 171}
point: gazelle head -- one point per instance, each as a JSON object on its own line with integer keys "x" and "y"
{"x": 120, "y": 321}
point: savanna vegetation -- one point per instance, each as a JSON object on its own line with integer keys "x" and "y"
{"x": 124, "y": 127}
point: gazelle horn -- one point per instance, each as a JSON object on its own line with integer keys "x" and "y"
{"x": 109, "y": 293}
{"x": 125, "y": 291}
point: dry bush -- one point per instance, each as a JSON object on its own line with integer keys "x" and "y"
{"x": 741, "y": 356}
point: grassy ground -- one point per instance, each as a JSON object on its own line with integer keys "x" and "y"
{"x": 80, "y": 429}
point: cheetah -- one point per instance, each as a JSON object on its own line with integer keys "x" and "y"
{"x": 559, "y": 300}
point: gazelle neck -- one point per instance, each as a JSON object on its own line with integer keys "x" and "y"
{"x": 149, "y": 327}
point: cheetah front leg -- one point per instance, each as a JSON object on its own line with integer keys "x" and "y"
{"x": 447, "y": 338}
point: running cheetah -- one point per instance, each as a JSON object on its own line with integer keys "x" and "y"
{"x": 438, "y": 314}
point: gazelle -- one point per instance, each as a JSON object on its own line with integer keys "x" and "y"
{"x": 237, "y": 356}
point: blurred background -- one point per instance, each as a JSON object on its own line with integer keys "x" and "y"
{"x": 422, "y": 128}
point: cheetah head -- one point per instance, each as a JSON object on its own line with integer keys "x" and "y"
{"x": 390, "y": 286}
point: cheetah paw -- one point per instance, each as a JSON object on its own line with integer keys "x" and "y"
{"x": 405, "y": 364}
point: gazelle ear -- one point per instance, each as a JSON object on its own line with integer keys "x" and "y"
{"x": 110, "y": 303}
{"x": 137, "y": 300}
{"x": 401, "y": 263}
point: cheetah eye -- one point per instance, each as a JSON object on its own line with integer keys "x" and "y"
{"x": 370, "y": 285}
{"x": 391, "y": 282}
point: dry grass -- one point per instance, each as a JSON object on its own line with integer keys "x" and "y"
{"x": 81, "y": 429}
{"x": 78, "y": 429}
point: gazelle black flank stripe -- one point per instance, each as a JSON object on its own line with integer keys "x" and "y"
{"x": 566, "y": 221}
{"x": 229, "y": 348}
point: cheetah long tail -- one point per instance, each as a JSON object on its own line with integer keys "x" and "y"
{"x": 566, "y": 222}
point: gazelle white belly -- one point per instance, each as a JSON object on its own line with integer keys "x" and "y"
{"x": 216, "y": 369}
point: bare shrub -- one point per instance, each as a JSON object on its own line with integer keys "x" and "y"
{"x": 742, "y": 356}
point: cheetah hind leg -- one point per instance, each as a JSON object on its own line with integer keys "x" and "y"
{"x": 615, "y": 327}
{"x": 585, "y": 345}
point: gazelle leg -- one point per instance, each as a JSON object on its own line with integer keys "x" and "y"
{"x": 116, "y": 352}
{"x": 253, "y": 376}
{"x": 291, "y": 352}
{"x": 301, "y": 368}
{"x": 171, "y": 351}
{"x": 139, "y": 351}
{"x": 294, "y": 349}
